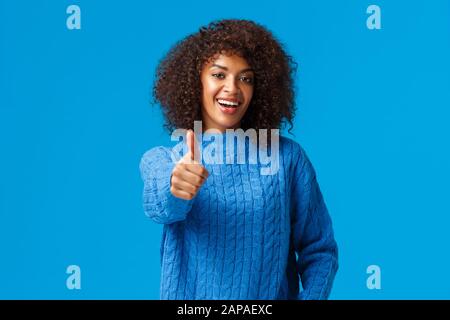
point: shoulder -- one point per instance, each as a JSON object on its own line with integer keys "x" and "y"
{"x": 295, "y": 156}
{"x": 155, "y": 158}
{"x": 291, "y": 149}
{"x": 156, "y": 153}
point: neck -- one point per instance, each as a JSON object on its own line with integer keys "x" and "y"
{"x": 214, "y": 128}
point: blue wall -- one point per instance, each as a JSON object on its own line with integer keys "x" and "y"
{"x": 373, "y": 113}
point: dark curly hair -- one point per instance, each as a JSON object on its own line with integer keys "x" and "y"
{"x": 177, "y": 86}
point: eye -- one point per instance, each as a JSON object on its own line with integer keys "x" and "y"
{"x": 219, "y": 75}
{"x": 247, "y": 79}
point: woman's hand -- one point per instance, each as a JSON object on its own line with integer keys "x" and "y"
{"x": 188, "y": 175}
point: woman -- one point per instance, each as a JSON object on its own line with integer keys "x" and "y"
{"x": 230, "y": 231}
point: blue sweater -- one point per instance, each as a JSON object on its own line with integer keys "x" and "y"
{"x": 244, "y": 235}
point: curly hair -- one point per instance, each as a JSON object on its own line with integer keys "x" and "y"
{"x": 177, "y": 87}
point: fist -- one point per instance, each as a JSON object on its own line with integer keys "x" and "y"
{"x": 188, "y": 175}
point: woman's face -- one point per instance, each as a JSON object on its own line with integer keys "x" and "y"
{"x": 227, "y": 83}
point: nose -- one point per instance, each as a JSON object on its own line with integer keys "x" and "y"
{"x": 230, "y": 86}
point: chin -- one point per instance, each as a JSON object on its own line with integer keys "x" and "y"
{"x": 228, "y": 124}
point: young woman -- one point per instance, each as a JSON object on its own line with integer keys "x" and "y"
{"x": 231, "y": 232}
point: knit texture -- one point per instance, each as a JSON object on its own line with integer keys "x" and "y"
{"x": 245, "y": 235}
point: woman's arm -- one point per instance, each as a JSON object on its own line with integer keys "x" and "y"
{"x": 159, "y": 203}
{"x": 313, "y": 235}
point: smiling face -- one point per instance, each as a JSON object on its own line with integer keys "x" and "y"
{"x": 227, "y": 89}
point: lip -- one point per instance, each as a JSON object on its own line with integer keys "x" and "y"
{"x": 225, "y": 110}
{"x": 229, "y": 99}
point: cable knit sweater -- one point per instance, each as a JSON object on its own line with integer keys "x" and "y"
{"x": 244, "y": 235}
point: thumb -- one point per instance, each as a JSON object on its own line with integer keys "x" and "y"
{"x": 192, "y": 145}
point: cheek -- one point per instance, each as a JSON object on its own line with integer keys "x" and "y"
{"x": 248, "y": 93}
{"x": 210, "y": 90}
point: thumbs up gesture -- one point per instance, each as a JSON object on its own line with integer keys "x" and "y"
{"x": 188, "y": 175}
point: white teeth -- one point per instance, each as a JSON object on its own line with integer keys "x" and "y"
{"x": 228, "y": 103}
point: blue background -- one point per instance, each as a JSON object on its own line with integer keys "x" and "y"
{"x": 75, "y": 119}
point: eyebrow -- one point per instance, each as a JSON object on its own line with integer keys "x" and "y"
{"x": 226, "y": 69}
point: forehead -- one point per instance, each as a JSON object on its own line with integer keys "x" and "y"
{"x": 232, "y": 62}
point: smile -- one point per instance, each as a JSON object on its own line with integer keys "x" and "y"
{"x": 228, "y": 106}
{"x": 227, "y": 103}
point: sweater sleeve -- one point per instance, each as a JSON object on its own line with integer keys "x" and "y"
{"x": 159, "y": 203}
{"x": 316, "y": 248}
